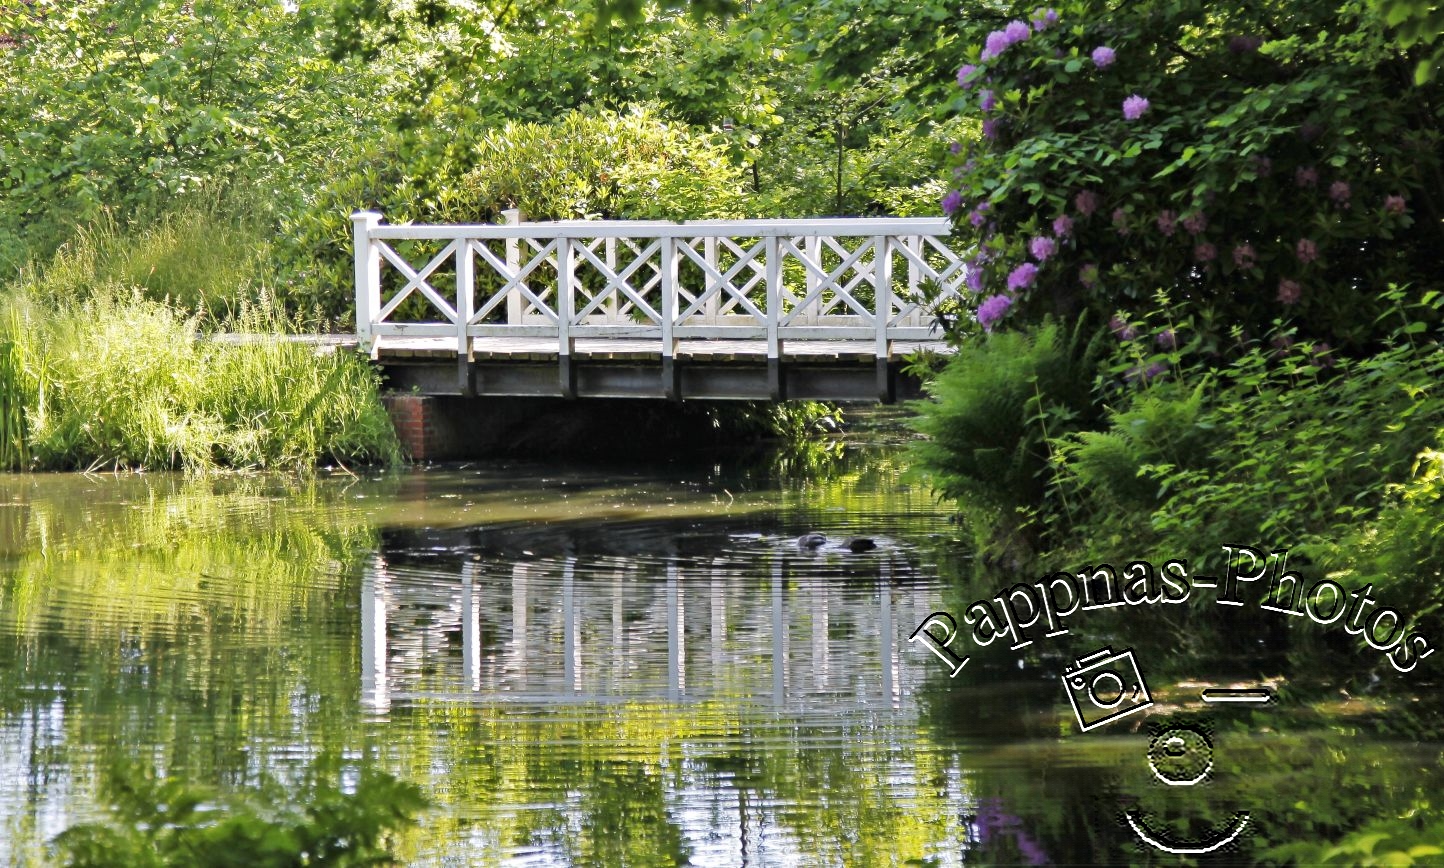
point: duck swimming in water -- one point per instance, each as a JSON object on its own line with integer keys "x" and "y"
{"x": 812, "y": 541}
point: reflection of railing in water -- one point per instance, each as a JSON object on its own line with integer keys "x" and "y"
{"x": 608, "y": 644}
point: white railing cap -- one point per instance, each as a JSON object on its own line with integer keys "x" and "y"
{"x": 834, "y": 226}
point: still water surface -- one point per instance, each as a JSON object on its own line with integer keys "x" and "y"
{"x": 595, "y": 667}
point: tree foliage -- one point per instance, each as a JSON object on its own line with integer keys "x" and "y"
{"x": 125, "y": 107}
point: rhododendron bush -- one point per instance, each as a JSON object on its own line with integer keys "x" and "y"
{"x": 1255, "y": 162}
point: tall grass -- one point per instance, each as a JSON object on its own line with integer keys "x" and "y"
{"x": 98, "y": 371}
{"x": 207, "y": 255}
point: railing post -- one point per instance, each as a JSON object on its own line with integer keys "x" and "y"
{"x": 566, "y": 307}
{"x": 610, "y": 305}
{"x": 368, "y": 277}
{"x": 920, "y": 250}
{"x": 512, "y": 217}
{"x": 812, "y": 280}
{"x": 465, "y": 305}
{"x": 709, "y": 254}
{"x": 669, "y": 318}
{"x": 882, "y": 298}
{"x": 774, "y": 315}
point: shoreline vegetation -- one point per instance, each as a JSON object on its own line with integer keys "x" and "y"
{"x": 1207, "y": 314}
{"x": 100, "y": 371}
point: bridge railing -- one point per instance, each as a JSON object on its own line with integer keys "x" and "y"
{"x": 858, "y": 279}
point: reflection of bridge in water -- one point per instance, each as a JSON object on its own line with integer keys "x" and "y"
{"x": 789, "y": 631}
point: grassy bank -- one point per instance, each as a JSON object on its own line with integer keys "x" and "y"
{"x": 108, "y": 359}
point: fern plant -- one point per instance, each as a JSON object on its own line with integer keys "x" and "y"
{"x": 993, "y": 411}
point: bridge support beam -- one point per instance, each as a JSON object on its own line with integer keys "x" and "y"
{"x": 465, "y": 382}
{"x": 776, "y": 385}
{"x": 886, "y": 383}
{"x": 566, "y": 376}
{"x": 671, "y": 379}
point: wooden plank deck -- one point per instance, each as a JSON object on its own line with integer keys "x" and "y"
{"x": 628, "y": 350}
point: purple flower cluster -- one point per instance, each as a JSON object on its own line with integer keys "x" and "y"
{"x": 1289, "y": 292}
{"x": 1103, "y": 57}
{"x": 1121, "y": 329}
{"x": 1042, "y": 247}
{"x": 965, "y": 75}
{"x": 1062, "y": 226}
{"x": 974, "y": 278}
{"x": 1195, "y": 223}
{"x": 990, "y": 128}
{"x": 1306, "y": 176}
{"x": 1044, "y": 18}
{"x": 1086, "y": 202}
{"x": 1306, "y": 250}
{"x": 1339, "y": 191}
{"x": 1204, "y": 252}
{"x": 999, "y": 40}
{"x": 992, "y": 309}
{"x": 1167, "y": 222}
{"x": 980, "y": 214}
{"x": 1120, "y": 222}
{"x": 994, "y": 45}
{"x": 1134, "y": 107}
{"x": 952, "y": 202}
{"x": 986, "y": 101}
{"x": 1394, "y": 204}
{"x": 1153, "y": 371}
{"x": 1022, "y": 277}
{"x": 1243, "y": 256}
{"x": 1166, "y": 339}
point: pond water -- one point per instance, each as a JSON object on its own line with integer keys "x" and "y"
{"x": 610, "y": 666}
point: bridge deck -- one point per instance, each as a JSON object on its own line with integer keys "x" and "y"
{"x": 622, "y": 350}
{"x": 615, "y": 368}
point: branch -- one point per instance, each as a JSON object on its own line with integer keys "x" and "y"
{"x": 1183, "y": 51}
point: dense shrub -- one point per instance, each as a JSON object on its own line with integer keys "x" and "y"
{"x": 1254, "y": 161}
{"x": 997, "y": 404}
{"x": 1289, "y": 442}
{"x": 607, "y": 165}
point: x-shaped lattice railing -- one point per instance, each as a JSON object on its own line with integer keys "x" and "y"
{"x": 765, "y": 280}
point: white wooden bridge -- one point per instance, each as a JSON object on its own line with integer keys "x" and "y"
{"x": 752, "y": 309}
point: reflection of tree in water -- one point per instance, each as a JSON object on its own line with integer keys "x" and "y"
{"x": 625, "y": 818}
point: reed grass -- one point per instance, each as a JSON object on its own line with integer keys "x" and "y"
{"x": 97, "y": 371}
{"x": 207, "y": 255}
